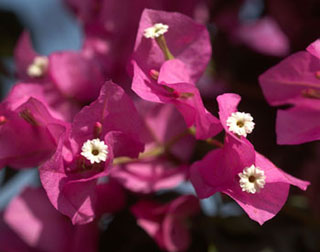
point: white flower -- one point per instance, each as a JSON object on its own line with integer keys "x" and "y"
{"x": 240, "y": 123}
{"x": 252, "y": 179}
{"x": 38, "y": 67}
{"x": 95, "y": 151}
{"x": 156, "y": 30}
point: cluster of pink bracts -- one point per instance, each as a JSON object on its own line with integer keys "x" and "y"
{"x": 91, "y": 138}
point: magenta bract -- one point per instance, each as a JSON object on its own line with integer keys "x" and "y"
{"x": 166, "y": 223}
{"x": 73, "y": 75}
{"x": 175, "y": 81}
{"x": 187, "y": 41}
{"x": 31, "y": 216}
{"x": 28, "y": 133}
{"x": 68, "y": 177}
{"x": 184, "y": 96}
{"x": 264, "y": 36}
{"x": 163, "y": 125}
{"x": 219, "y": 171}
{"x": 295, "y": 81}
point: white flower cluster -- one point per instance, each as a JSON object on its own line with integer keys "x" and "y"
{"x": 156, "y": 30}
{"x": 38, "y": 67}
{"x": 252, "y": 179}
{"x": 240, "y": 123}
{"x": 95, "y": 151}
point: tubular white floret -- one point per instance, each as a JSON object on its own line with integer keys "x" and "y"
{"x": 240, "y": 123}
{"x": 95, "y": 151}
{"x": 156, "y": 30}
{"x": 252, "y": 179}
{"x": 38, "y": 67}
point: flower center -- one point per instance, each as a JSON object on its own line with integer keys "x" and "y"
{"x": 38, "y": 67}
{"x": 240, "y": 123}
{"x": 95, "y": 151}
{"x": 156, "y": 30}
{"x": 252, "y": 179}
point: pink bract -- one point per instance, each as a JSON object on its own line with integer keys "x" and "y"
{"x": 28, "y": 133}
{"x": 175, "y": 83}
{"x": 73, "y": 75}
{"x": 228, "y": 104}
{"x": 187, "y": 41}
{"x": 314, "y": 48}
{"x": 69, "y": 178}
{"x": 76, "y": 76}
{"x": 218, "y": 171}
{"x": 24, "y": 54}
{"x": 166, "y": 223}
{"x": 288, "y": 80}
{"x": 295, "y": 81}
{"x": 184, "y": 96}
{"x": 101, "y": 21}
{"x": 264, "y": 36}
{"x": 59, "y": 107}
{"x": 163, "y": 125}
{"x": 299, "y": 124}
{"x": 31, "y": 216}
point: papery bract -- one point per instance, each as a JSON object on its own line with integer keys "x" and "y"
{"x": 68, "y": 177}
{"x": 288, "y": 80}
{"x": 101, "y": 22}
{"x": 24, "y": 54}
{"x": 295, "y": 81}
{"x": 188, "y": 41}
{"x": 184, "y": 96}
{"x": 74, "y": 75}
{"x": 31, "y": 216}
{"x": 28, "y": 133}
{"x": 58, "y": 106}
{"x": 299, "y": 124}
{"x": 314, "y": 48}
{"x": 165, "y": 126}
{"x": 219, "y": 171}
{"x": 176, "y": 77}
{"x": 264, "y": 36}
{"x": 166, "y": 223}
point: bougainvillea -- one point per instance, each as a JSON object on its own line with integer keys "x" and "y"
{"x": 295, "y": 81}
{"x": 104, "y": 149}
{"x": 237, "y": 170}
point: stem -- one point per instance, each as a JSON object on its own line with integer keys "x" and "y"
{"x": 123, "y": 160}
{"x": 154, "y": 152}
{"x": 214, "y": 142}
{"x": 162, "y": 43}
{"x": 210, "y": 141}
{"x": 165, "y": 148}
